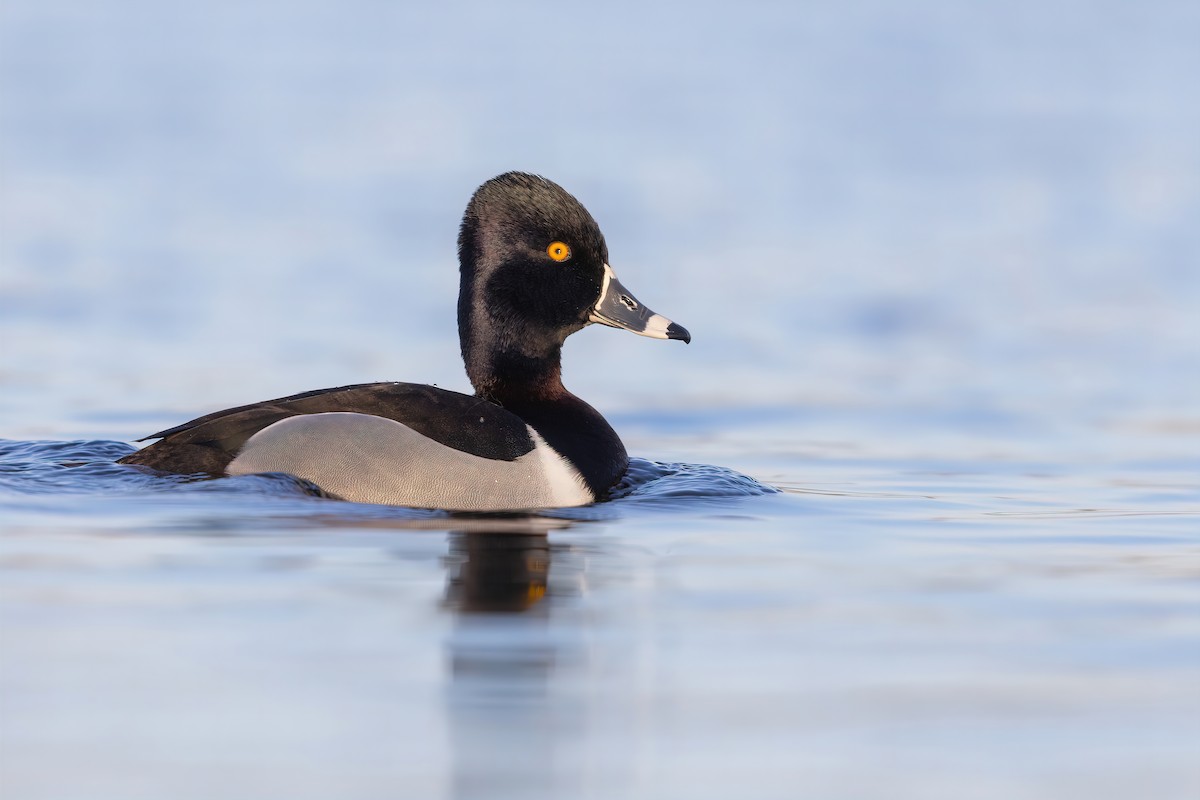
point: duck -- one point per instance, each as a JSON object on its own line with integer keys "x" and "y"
{"x": 533, "y": 269}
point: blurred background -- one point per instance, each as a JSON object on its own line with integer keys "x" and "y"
{"x": 941, "y": 264}
{"x": 979, "y": 210}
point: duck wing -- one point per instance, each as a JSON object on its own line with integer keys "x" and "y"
{"x": 469, "y": 424}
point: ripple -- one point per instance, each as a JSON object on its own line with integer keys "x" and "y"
{"x": 55, "y": 467}
{"x": 89, "y": 467}
{"x": 649, "y": 480}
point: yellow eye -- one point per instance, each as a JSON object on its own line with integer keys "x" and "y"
{"x": 558, "y": 251}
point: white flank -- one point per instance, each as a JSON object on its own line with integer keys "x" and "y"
{"x": 567, "y": 486}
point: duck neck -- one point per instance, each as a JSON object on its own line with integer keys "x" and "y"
{"x": 508, "y": 375}
{"x": 529, "y": 384}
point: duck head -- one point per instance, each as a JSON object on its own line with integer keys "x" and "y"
{"x": 533, "y": 270}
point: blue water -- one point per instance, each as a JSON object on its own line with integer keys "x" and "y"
{"x": 917, "y": 513}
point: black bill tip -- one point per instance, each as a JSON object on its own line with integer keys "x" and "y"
{"x": 675, "y": 331}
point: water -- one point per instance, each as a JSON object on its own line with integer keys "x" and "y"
{"x": 915, "y": 515}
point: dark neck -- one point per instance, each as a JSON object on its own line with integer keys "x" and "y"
{"x": 507, "y": 357}
{"x": 508, "y": 375}
{"x": 530, "y": 386}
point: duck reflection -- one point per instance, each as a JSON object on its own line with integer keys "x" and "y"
{"x": 506, "y": 725}
{"x": 497, "y": 572}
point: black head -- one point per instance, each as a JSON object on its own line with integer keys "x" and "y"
{"x": 533, "y": 270}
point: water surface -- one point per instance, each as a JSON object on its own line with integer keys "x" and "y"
{"x": 915, "y": 515}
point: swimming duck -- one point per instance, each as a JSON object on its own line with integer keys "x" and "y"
{"x": 533, "y": 270}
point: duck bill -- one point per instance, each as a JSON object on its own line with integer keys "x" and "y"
{"x": 618, "y": 308}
